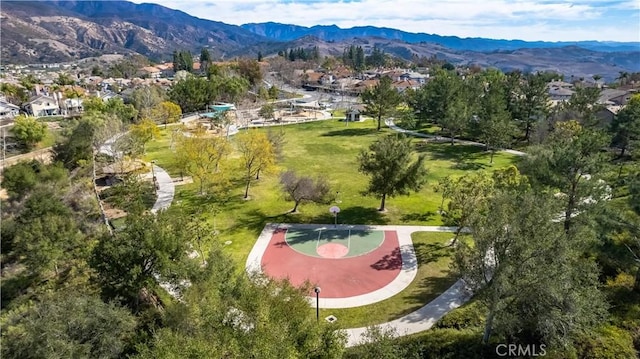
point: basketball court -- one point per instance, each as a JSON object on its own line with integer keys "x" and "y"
{"x": 346, "y": 262}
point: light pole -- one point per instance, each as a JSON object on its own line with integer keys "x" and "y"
{"x": 153, "y": 174}
{"x": 317, "y": 290}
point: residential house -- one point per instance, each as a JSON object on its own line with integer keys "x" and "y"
{"x": 560, "y": 94}
{"x": 615, "y": 97}
{"x": 414, "y": 76}
{"x": 403, "y": 85}
{"x": 40, "y": 106}
{"x": 72, "y": 106}
{"x": 8, "y": 110}
{"x": 606, "y": 115}
{"x": 166, "y": 70}
{"x": 151, "y": 71}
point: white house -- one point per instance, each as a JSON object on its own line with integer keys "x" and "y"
{"x": 42, "y": 106}
{"x": 72, "y": 105}
{"x": 8, "y": 110}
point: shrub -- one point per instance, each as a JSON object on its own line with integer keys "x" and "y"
{"x": 468, "y": 316}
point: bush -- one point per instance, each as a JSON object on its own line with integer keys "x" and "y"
{"x": 467, "y": 316}
{"x": 608, "y": 342}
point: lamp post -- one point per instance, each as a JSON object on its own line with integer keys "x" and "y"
{"x": 153, "y": 174}
{"x": 317, "y": 290}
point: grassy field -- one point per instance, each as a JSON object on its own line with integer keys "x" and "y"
{"x": 433, "y": 278}
{"x": 328, "y": 148}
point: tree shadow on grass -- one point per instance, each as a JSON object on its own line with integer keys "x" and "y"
{"x": 428, "y": 253}
{"x": 361, "y": 215}
{"x": 469, "y": 166}
{"x": 418, "y": 216}
{"x": 457, "y": 153}
{"x": 348, "y": 132}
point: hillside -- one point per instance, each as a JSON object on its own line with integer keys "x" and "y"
{"x": 58, "y": 31}
{"x": 570, "y": 60}
{"x": 55, "y": 31}
{"x": 287, "y": 32}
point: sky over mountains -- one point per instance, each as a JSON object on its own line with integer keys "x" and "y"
{"x": 546, "y": 20}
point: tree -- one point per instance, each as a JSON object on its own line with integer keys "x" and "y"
{"x": 537, "y": 286}
{"x": 28, "y": 131}
{"x": 150, "y": 246}
{"x": 493, "y": 126}
{"x": 166, "y": 112}
{"x": 182, "y": 60}
{"x": 256, "y": 153}
{"x": 381, "y": 100}
{"x": 193, "y": 93}
{"x": 146, "y": 98}
{"x": 267, "y": 111}
{"x": 23, "y": 177}
{"x": 528, "y": 100}
{"x": 77, "y": 149}
{"x": 273, "y": 92}
{"x": 570, "y": 160}
{"x": 67, "y": 326}
{"x": 64, "y": 79}
{"x": 303, "y": 188}
{"x": 228, "y": 313}
{"x": 144, "y": 132}
{"x": 205, "y": 60}
{"x": 584, "y": 103}
{"x": 47, "y": 236}
{"x": 458, "y": 112}
{"x": 202, "y": 158}
{"x": 466, "y": 195}
{"x": 250, "y": 70}
{"x": 391, "y": 170}
{"x": 626, "y": 125}
{"x": 433, "y": 100}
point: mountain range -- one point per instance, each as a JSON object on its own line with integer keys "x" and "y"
{"x": 285, "y": 32}
{"x": 59, "y": 31}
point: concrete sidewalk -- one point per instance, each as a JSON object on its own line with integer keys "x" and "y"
{"x": 389, "y": 122}
{"x": 166, "y": 189}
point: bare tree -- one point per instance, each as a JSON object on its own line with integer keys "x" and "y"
{"x": 303, "y": 188}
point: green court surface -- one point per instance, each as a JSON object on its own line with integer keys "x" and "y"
{"x": 333, "y": 243}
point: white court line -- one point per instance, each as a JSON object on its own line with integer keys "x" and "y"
{"x": 318, "y": 240}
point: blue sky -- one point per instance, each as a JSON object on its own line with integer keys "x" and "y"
{"x": 548, "y": 20}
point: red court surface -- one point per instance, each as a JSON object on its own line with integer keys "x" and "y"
{"x": 337, "y": 277}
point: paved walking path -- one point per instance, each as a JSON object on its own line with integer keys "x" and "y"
{"x": 389, "y": 122}
{"x": 166, "y": 189}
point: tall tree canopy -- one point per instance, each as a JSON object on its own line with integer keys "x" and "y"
{"x": 381, "y": 100}
{"x": 537, "y": 285}
{"x": 392, "y": 172}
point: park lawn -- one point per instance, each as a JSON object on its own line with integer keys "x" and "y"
{"x": 329, "y": 148}
{"x": 433, "y": 278}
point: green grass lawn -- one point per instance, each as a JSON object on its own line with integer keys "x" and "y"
{"x": 433, "y": 278}
{"x": 328, "y": 148}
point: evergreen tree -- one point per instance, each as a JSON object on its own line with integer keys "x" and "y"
{"x": 392, "y": 172}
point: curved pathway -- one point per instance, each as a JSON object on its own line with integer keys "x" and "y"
{"x": 165, "y": 190}
{"x": 389, "y": 122}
